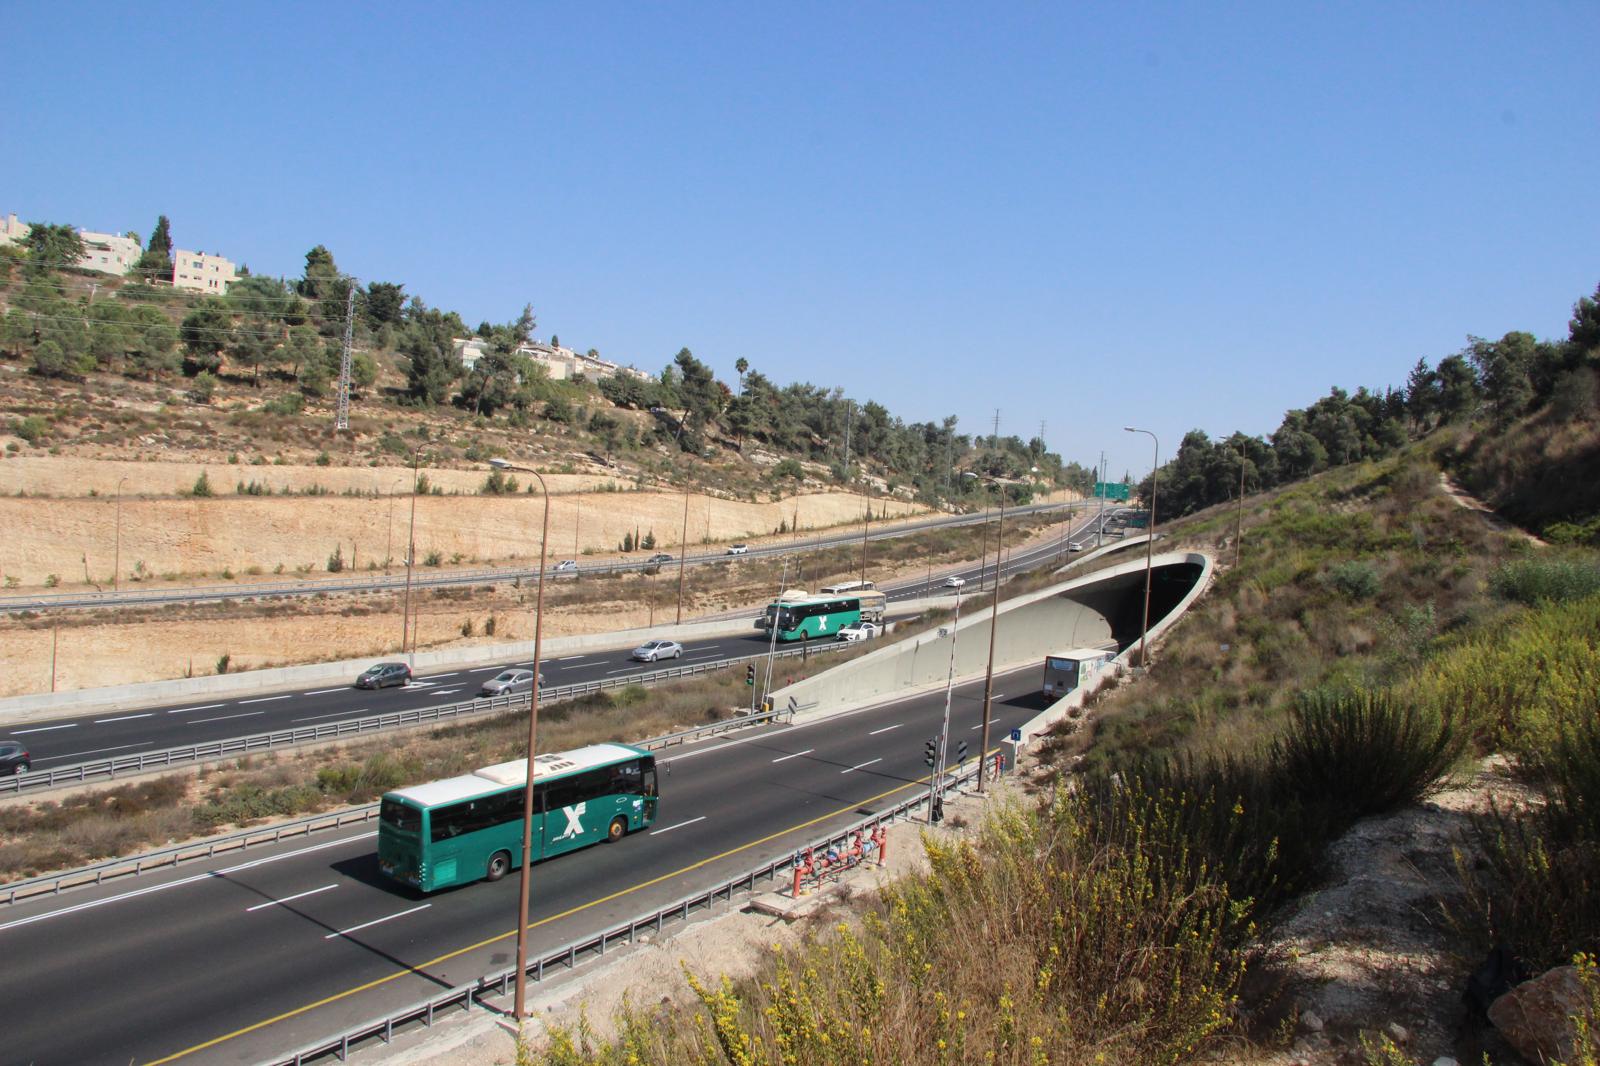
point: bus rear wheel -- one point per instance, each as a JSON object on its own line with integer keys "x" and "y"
{"x": 618, "y": 828}
{"x": 499, "y": 865}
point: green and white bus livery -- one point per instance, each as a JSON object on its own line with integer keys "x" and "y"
{"x": 811, "y": 618}
{"x": 460, "y": 829}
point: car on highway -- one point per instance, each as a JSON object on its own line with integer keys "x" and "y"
{"x": 14, "y": 758}
{"x": 954, "y": 582}
{"x": 384, "y": 675}
{"x": 738, "y": 549}
{"x": 509, "y": 682}
{"x": 860, "y": 631}
{"x": 565, "y": 566}
{"x": 1076, "y": 546}
{"x": 652, "y": 650}
{"x": 659, "y": 557}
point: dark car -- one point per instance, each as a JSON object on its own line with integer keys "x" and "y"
{"x": 14, "y": 758}
{"x": 384, "y": 675}
{"x": 659, "y": 557}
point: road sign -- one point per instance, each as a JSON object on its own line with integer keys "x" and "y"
{"x": 1016, "y": 735}
{"x": 1111, "y": 490}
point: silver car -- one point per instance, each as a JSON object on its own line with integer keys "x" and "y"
{"x": 859, "y": 631}
{"x": 652, "y": 650}
{"x": 509, "y": 682}
{"x": 565, "y": 566}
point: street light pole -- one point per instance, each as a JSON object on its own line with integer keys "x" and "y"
{"x": 937, "y": 779}
{"x": 866, "y": 523}
{"x": 116, "y": 555}
{"x": 994, "y": 620}
{"x": 411, "y": 553}
{"x": 1149, "y": 545}
{"x": 533, "y": 740}
{"x": 683, "y": 553}
{"x": 388, "y": 549}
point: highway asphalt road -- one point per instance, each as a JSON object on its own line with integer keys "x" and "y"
{"x": 68, "y": 741}
{"x": 231, "y": 961}
{"x": 428, "y": 577}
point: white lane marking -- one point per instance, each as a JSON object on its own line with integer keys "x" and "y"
{"x": 629, "y": 669}
{"x": 225, "y": 718}
{"x": 796, "y": 755}
{"x": 44, "y": 729}
{"x": 289, "y": 899}
{"x": 569, "y": 658}
{"x": 184, "y": 881}
{"x": 335, "y": 714}
{"x": 885, "y": 729}
{"x": 486, "y": 670}
{"x": 202, "y": 707}
{"x": 435, "y": 677}
{"x": 859, "y": 766}
{"x": 92, "y": 751}
{"x": 445, "y": 691}
{"x": 325, "y": 691}
{"x": 376, "y": 921}
{"x": 124, "y": 718}
{"x": 267, "y": 699}
{"x": 680, "y": 825}
{"x": 978, "y": 726}
{"x": 997, "y": 697}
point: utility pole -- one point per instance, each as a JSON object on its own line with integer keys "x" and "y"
{"x": 848, "y": 415}
{"x": 994, "y": 438}
{"x": 1100, "y": 526}
{"x": 342, "y": 415}
{"x": 683, "y": 552}
{"x": 936, "y": 782}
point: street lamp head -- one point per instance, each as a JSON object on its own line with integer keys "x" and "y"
{"x": 1131, "y": 429}
{"x": 499, "y": 463}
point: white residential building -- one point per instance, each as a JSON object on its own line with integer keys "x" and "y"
{"x": 469, "y": 349}
{"x": 201, "y": 272}
{"x": 12, "y": 231}
{"x": 109, "y": 253}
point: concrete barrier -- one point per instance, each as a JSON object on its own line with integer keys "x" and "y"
{"x": 47, "y": 705}
{"x": 1088, "y": 611}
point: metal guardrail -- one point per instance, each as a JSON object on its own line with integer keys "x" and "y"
{"x": 495, "y": 575}
{"x": 139, "y": 762}
{"x": 134, "y": 865}
{"x": 594, "y": 945}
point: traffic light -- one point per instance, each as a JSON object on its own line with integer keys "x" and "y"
{"x": 750, "y": 673}
{"x": 961, "y": 753}
{"x": 930, "y": 751}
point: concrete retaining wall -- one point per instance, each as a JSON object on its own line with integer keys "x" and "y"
{"x": 1082, "y": 612}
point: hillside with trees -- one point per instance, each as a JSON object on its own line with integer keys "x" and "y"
{"x": 274, "y": 345}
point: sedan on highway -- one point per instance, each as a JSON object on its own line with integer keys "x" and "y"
{"x": 383, "y": 675}
{"x": 509, "y": 682}
{"x": 953, "y": 582}
{"x": 860, "y": 631}
{"x": 738, "y": 549}
{"x": 14, "y": 758}
{"x": 1076, "y": 546}
{"x": 566, "y": 566}
{"x": 652, "y": 650}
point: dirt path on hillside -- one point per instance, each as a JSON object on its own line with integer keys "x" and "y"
{"x": 1466, "y": 500}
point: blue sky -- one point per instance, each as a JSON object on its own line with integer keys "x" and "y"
{"x": 1178, "y": 216}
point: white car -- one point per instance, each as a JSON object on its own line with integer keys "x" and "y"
{"x": 860, "y": 631}
{"x": 738, "y": 549}
{"x": 1076, "y": 546}
{"x": 565, "y": 566}
{"x": 651, "y": 650}
{"x": 953, "y": 582}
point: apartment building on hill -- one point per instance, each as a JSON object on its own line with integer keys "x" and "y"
{"x": 200, "y": 272}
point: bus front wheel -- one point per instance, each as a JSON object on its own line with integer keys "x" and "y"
{"x": 499, "y": 865}
{"x": 618, "y": 828}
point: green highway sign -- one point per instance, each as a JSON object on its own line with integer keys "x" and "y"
{"x": 1111, "y": 490}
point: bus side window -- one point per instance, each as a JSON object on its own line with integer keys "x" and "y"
{"x": 650, "y": 780}
{"x": 625, "y": 779}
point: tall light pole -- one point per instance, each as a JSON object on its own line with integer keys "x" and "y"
{"x": 994, "y": 621}
{"x": 533, "y": 740}
{"x": 866, "y": 522}
{"x": 936, "y": 782}
{"x": 1149, "y": 545}
{"x": 116, "y": 554}
{"x": 411, "y": 552}
{"x": 388, "y": 549}
{"x": 683, "y": 553}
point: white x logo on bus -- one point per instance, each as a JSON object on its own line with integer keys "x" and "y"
{"x": 574, "y": 821}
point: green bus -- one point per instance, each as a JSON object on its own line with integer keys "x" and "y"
{"x": 465, "y": 828}
{"x": 815, "y": 616}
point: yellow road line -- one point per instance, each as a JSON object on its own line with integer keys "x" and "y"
{"x": 412, "y": 971}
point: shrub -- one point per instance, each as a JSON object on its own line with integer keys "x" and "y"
{"x": 289, "y": 404}
{"x": 336, "y": 560}
{"x": 202, "y": 485}
{"x": 467, "y": 627}
{"x": 324, "y": 459}
{"x": 203, "y": 387}
{"x": 433, "y": 558}
{"x": 498, "y": 484}
{"x": 1558, "y": 580}
{"x": 31, "y": 429}
{"x": 52, "y": 580}
{"x": 489, "y": 626}
{"x": 223, "y": 663}
{"x": 1355, "y": 579}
